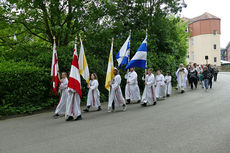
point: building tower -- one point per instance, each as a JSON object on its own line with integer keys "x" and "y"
{"x": 204, "y": 40}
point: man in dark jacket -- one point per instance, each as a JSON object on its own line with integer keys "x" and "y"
{"x": 211, "y": 70}
{"x": 193, "y": 75}
{"x": 215, "y": 72}
{"x": 206, "y": 77}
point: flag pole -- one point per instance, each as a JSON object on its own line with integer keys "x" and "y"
{"x": 54, "y": 38}
{"x": 111, "y": 72}
{"x": 147, "y": 53}
{"x": 129, "y": 48}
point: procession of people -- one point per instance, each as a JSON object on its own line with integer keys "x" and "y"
{"x": 157, "y": 87}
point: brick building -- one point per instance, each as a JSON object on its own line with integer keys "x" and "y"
{"x": 204, "y": 39}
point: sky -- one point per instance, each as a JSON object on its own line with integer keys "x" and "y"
{"x": 219, "y": 8}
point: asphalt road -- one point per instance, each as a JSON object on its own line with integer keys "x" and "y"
{"x": 194, "y": 122}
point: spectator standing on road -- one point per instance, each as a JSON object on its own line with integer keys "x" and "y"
{"x": 216, "y": 71}
{"x": 206, "y": 77}
{"x": 211, "y": 70}
{"x": 193, "y": 77}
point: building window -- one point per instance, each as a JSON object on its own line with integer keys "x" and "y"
{"x": 215, "y": 59}
{"x": 214, "y": 46}
{"x": 193, "y": 56}
{"x": 214, "y": 32}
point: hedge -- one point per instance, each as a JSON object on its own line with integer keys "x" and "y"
{"x": 24, "y": 88}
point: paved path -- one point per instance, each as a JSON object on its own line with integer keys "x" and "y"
{"x": 195, "y": 122}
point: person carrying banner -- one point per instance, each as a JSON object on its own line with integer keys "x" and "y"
{"x": 149, "y": 96}
{"x": 116, "y": 98}
{"x": 132, "y": 91}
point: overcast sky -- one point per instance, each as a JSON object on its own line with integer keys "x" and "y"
{"x": 219, "y": 8}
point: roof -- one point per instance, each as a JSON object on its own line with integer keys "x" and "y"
{"x": 204, "y": 16}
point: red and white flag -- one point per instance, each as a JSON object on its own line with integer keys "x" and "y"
{"x": 55, "y": 70}
{"x": 74, "y": 77}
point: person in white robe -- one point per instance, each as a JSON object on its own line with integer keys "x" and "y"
{"x": 61, "y": 107}
{"x": 116, "y": 98}
{"x": 93, "y": 98}
{"x": 132, "y": 91}
{"x": 149, "y": 96}
{"x": 168, "y": 84}
{"x": 73, "y": 110}
{"x": 160, "y": 85}
{"x": 181, "y": 75}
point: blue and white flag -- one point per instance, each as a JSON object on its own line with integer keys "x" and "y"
{"x": 122, "y": 56}
{"x": 139, "y": 59}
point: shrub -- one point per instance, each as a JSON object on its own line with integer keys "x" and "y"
{"x": 24, "y": 88}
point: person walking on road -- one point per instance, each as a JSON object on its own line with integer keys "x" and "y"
{"x": 116, "y": 98}
{"x": 216, "y": 71}
{"x": 149, "y": 96}
{"x": 181, "y": 74}
{"x": 168, "y": 79}
{"x": 63, "y": 89}
{"x": 211, "y": 70}
{"x": 206, "y": 77}
{"x": 93, "y": 98}
{"x": 193, "y": 77}
{"x": 132, "y": 91}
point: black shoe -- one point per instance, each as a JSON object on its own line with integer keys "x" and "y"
{"x": 144, "y": 104}
{"x": 138, "y": 101}
{"x": 70, "y": 118}
{"x": 78, "y": 118}
{"x": 99, "y": 108}
{"x": 182, "y": 91}
{"x": 155, "y": 103}
{"x": 56, "y": 116}
{"x": 168, "y": 95}
{"x": 128, "y": 101}
{"x": 86, "y": 110}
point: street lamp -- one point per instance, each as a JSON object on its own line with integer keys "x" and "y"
{"x": 182, "y": 5}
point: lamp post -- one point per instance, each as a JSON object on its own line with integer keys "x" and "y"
{"x": 182, "y": 5}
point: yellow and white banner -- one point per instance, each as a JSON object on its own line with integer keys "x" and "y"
{"x": 83, "y": 66}
{"x": 109, "y": 74}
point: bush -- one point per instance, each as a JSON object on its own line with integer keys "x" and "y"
{"x": 24, "y": 88}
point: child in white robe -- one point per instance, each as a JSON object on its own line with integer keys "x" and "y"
{"x": 73, "y": 109}
{"x": 116, "y": 98}
{"x": 60, "y": 109}
{"x": 160, "y": 85}
{"x": 149, "y": 96}
{"x": 93, "y": 98}
{"x": 168, "y": 84}
{"x": 132, "y": 91}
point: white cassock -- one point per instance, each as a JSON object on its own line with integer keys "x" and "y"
{"x": 132, "y": 90}
{"x": 115, "y": 93}
{"x": 168, "y": 84}
{"x": 73, "y": 104}
{"x": 160, "y": 86}
{"x": 149, "y": 95}
{"x": 93, "y": 98}
{"x": 61, "y": 107}
{"x": 181, "y": 78}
